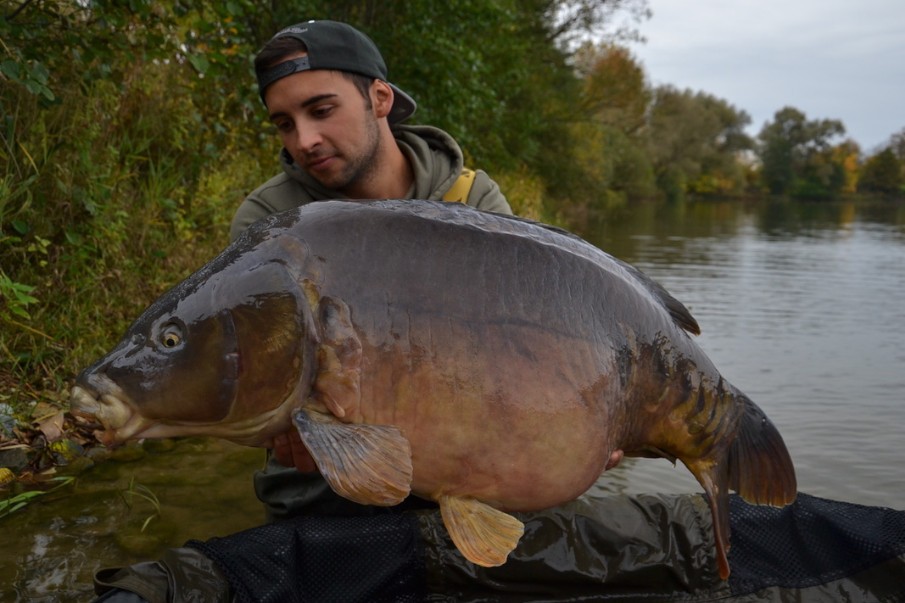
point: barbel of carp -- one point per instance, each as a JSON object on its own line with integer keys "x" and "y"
{"x": 489, "y": 363}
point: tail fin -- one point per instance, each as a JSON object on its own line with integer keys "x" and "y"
{"x": 757, "y": 465}
{"x": 760, "y": 468}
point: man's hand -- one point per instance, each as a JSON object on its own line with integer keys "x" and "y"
{"x": 289, "y": 451}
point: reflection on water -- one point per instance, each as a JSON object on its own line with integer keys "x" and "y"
{"x": 802, "y": 307}
{"x": 51, "y": 549}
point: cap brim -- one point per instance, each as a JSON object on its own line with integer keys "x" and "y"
{"x": 403, "y": 106}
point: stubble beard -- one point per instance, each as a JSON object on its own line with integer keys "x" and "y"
{"x": 362, "y": 167}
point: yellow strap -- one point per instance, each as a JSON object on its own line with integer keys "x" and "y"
{"x": 461, "y": 187}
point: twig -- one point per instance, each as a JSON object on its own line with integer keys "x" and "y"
{"x": 16, "y": 12}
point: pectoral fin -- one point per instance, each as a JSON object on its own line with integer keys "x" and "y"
{"x": 368, "y": 464}
{"x": 484, "y": 535}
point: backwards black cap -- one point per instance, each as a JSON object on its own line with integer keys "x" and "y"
{"x": 340, "y": 47}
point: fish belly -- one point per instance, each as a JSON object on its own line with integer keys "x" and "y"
{"x": 508, "y": 415}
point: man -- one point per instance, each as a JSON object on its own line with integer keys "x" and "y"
{"x": 325, "y": 88}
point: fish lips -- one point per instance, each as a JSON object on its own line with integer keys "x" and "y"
{"x": 98, "y": 399}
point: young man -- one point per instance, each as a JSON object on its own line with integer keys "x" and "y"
{"x": 325, "y": 87}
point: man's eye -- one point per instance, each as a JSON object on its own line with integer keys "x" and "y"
{"x": 322, "y": 111}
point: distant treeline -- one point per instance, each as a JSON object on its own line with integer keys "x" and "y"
{"x": 131, "y": 130}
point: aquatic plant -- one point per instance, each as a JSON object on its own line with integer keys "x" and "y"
{"x": 19, "y": 501}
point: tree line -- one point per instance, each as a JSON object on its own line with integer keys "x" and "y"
{"x": 132, "y": 129}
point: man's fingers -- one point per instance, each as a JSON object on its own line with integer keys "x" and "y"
{"x": 290, "y": 452}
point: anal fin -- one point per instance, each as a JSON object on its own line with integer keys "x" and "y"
{"x": 484, "y": 535}
{"x": 714, "y": 479}
{"x": 757, "y": 465}
{"x": 368, "y": 464}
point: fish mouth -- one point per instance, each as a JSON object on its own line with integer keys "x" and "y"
{"x": 111, "y": 409}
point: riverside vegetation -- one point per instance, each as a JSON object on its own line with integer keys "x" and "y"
{"x": 131, "y": 131}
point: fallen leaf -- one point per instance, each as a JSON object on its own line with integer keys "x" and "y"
{"x": 42, "y": 410}
{"x": 52, "y": 427}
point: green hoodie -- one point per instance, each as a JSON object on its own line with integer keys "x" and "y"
{"x": 436, "y": 161}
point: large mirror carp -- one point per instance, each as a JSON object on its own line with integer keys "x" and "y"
{"x": 486, "y": 362}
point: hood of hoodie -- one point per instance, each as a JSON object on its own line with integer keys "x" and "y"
{"x": 434, "y": 155}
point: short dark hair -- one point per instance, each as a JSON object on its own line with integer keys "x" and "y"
{"x": 279, "y": 48}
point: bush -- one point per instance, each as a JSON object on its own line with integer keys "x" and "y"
{"x": 117, "y": 175}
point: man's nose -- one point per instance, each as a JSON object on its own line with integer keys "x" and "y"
{"x": 306, "y": 139}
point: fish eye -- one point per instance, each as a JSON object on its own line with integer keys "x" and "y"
{"x": 171, "y": 336}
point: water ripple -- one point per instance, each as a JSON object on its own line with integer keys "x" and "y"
{"x": 809, "y": 320}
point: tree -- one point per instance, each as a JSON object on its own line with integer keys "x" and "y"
{"x": 573, "y": 19}
{"x": 847, "y": 155}
{"x": 694, "y": 140}
{"x": 882, "y": 173}
{"x": 613, "y": 91}
{"x": 897, "y": 144}
{"x": 604, "y": 125}
{"x": 796, "y": 155}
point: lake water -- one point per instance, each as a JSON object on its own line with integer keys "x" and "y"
{"x": 802, "y": 306}
{"x": 124, "y": 511}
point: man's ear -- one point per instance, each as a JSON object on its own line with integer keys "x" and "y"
{"x": 381, "y": 98}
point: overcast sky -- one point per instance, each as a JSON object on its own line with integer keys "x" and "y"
{"x": 830, "y": 59}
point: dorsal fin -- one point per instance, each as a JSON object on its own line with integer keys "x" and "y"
{"x": 677, "y": 310}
